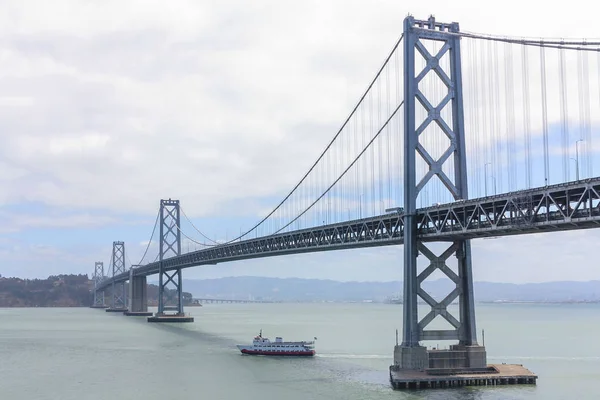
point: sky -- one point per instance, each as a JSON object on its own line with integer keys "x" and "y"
{"x": 106, "y": 107}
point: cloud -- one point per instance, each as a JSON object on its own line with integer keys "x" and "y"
{"x": 15, "y": 223}
{"x": 39, "y": 260}
{"x": 107, "y": 107}
{"x": 201, "y": 109}
{"x": 18, "y": 222}
{"x": 147, "y": 113}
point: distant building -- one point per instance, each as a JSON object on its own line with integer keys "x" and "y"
{"x": 393, "y": 300}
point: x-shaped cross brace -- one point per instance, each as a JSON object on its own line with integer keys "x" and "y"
{"x": 434, "y": 114}
{"x": 438, "y": 308}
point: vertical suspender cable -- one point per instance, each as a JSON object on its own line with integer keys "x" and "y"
{"x": 363, "y": 161}
{"x": 510, "y": 109}
{"x": 398, "y": 160}
{"x": 484, "y": 121}
{"x": 476, "y": 131}
{"x": 581, "y": 109}
{"x": 544, "y": 115}
{"x": 498, "y": 178}
{"x": 372, "y": 150}
{"x": 585, "y": 106}
{"x": 588, "y": 128}
{"x": 564, "y": 115}
{"x": 590, "y": 144}
{"x": 356, "y": 191}
{"x": 389, "y": 139}
{"x": 379, "y": 152}
{"x": 492, "y": 109}
{"x": 526, "y": 120}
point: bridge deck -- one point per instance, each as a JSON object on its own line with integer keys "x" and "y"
{"x": 568, "y": 206}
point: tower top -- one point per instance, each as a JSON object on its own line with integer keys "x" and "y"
{"x": 431, "y": 24}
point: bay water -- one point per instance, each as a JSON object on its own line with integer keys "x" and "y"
{"x": 88, "y": 354}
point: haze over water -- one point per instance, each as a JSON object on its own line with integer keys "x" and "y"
{"x": 89, "y": 354}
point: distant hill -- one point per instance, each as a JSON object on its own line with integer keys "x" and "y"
{"x": 76, "y": 291}
{"x": 295, "y": 289}
{"x": 56, "y": 291}
{"x": 60, "y": 291}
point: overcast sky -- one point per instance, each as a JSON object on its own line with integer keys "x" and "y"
{"x": 108, "y": 106}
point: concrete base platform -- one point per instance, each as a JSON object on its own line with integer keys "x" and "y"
{"x": 138, "y": 313}
{"x": 170, "y": 318}
{"x": 100, "y": 307}
{"x": 116, "y": 310}
{"x": 492, "y": 375}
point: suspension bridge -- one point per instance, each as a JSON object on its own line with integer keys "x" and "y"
{"x": 459, "y": 136}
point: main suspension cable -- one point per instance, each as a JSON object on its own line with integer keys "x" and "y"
{"x": 151, "y": 236}
{"x": 367, "y": 91}
{"x": 346, "y": 170}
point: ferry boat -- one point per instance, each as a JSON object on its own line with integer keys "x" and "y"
{"x": 263, "y": 346}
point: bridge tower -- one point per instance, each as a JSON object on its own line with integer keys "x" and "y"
{"x": 410, "y": 354}
{"x": 169, "y": 299}
{"x": 118, "y": 301}
{"x": 98, "y": 278}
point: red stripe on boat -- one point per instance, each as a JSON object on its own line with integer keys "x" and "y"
{"x": 279, "y": 353}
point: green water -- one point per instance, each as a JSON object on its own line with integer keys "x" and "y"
{"x": 90, "y": 354}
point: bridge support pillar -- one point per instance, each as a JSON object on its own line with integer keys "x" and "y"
{"x": 138, "y": 296}
{"x": 443, "y": 65}
{"x": 467, "y": 353}
{"x": 118, "y": 303}
{"x": 407, "y": 357}
{"x": 170, "y": 299}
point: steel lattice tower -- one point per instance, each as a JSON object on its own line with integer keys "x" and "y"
{"x": 98, "y": 278}
{"x": 118, "y": 267}
{"x": 170, "y": 246}
{"x": 410, "y": 354}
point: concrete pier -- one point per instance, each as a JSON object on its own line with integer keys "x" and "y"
{"x": 460, "y": 365}
{"x": 116, "y": 310}
{"x": 491, "y": 375}
{"x": 99, "y": 306}
{"x": 138, "y": 297}
{"x": 170, "y": 318}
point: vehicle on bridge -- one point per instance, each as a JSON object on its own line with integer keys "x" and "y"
{"x": 264, "y": 347}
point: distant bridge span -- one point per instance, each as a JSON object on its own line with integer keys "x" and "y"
{"x": 223, "y": 301}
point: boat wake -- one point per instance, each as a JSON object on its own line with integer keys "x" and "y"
{"x": 353, "y": 356}
{"x": 491, "y": 359}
